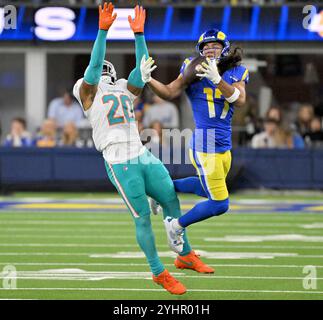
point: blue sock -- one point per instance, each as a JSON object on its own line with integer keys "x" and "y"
{"x": 146, "y": 241}
{"x": 204, "y": 210}
{"x": 190, "y": 185}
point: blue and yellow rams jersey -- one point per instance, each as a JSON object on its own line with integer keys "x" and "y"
{"x": 212, "y": 113}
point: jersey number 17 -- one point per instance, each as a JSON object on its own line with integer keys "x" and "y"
{"x": 210, "y": 95}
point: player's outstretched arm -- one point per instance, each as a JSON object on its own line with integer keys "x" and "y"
{"x": 144, "y": 66}
{"x": 93, "y": 72}
{"x": 167, "y": 91}
{"x": 135, "y": 80}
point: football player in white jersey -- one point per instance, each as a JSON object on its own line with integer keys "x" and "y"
{"x": 133, "y": 170}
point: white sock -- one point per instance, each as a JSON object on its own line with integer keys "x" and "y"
{"x": 176, "y": 225}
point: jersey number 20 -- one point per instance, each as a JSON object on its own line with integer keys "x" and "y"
{"x": 123, "y": 101}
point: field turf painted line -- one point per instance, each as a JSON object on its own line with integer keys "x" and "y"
{"x": 31, "y": 240}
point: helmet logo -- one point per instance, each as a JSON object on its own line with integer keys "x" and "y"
{"x": 221, "y": 35}
{"x": 211, "y": 37}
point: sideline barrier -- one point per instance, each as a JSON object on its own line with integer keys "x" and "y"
{"x": 83, "y": 169}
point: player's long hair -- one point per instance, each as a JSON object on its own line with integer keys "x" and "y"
{"x": 232, "y": 60}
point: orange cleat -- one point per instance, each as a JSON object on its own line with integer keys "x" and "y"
{"x": 192, "y": 261}
{"x": 166, "y": 280}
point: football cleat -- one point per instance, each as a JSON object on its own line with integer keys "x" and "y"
{"x": 154, "y": 206}
{"x": 168, "y": 282}
{"x": 192, "y": 261}
{"x": 175, "y": 237}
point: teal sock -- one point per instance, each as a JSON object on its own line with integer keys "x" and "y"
{"x": 146, "y": 241}
{"x": 163, "y": 191}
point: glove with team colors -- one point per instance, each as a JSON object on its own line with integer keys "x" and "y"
{"x": 138, "y": 23}
{"x": 105, "y": 16}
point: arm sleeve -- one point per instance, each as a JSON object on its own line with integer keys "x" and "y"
{"x": 141, "y": 50}
{"x": 93, "y": 71}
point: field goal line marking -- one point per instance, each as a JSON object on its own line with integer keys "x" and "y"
{"x": 161, "y": 290}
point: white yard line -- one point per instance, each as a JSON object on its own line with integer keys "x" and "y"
{"x": 80, "y": 274}
{"x": 99, "y": 277}
{"x": 221, "y": 255}
{"x": 162, "y": 290}
{"x": 145, "y": 264}
{"x": 42, "y": 254}
{"x": 268, "y": 237}
{"x": 16, "y": 299}
{"x": 209, "y": 226}
{"x": 59, "y": 222}
{"x": 135, "y": 246}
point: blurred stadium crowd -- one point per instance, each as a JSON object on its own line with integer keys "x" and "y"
{"x": 65, "y": 126}
{"x": 285, "y": 124}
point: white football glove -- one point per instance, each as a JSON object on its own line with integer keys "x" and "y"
{"x": 146, "y": 68}
{"x": 209, "y": 70}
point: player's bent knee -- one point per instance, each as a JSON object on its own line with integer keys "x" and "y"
{"x": 218, "y": 208}
{"x": 143, "y": 222}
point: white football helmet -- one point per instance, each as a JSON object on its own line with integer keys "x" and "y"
{"x": 109, "y": 74}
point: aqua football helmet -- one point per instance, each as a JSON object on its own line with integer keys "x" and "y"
{"x": 213, "y": 35}
{"x": 109, "y": 74}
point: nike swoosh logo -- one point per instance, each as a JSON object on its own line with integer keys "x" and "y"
{"x": 189, "y": 264}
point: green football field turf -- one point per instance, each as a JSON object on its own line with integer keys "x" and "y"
{"x": 94, "y": 255}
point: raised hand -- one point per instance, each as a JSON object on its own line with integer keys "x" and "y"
{"x": 105, "y": 16}
{"x": 138, "y": 23}
{"x": 209, "y": 70}
{"x": 146, "y": 68}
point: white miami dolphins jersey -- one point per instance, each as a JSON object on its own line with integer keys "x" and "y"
{"x": 112, "y": 118}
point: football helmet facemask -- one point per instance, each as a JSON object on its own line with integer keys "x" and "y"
{"x": 213, "y": 35}
{"x": 109, "y": 74}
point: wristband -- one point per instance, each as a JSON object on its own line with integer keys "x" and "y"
{"x": 234, "y": 96}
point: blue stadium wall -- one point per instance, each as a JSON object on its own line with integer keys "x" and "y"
{"x": 83, "y": 169}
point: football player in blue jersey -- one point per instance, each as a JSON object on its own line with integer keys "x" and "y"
{"x": 219, "y": 87}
